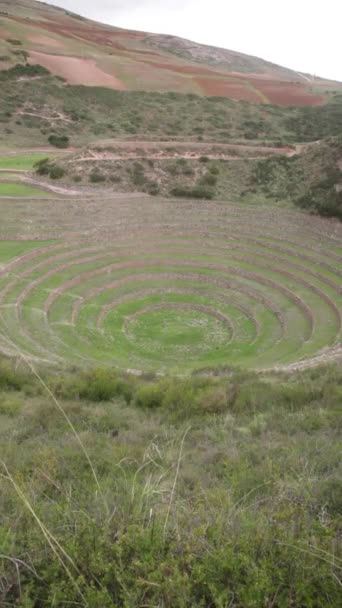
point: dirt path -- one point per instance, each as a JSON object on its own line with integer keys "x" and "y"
{"x": 328, "y": 355}
{"x": 20, "y": 171}
{"x": 146, "y": 145}
{"x": 119, "y": 149}
{"x": 44, "y": 117}
{"x": 132, "y": 145}
{"x": 103, "y": 157}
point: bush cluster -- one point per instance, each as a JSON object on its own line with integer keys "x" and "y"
{"x": 323, "y": 197}
{"x": 49, "y": 168}
{"x": 59, "y": 141}
{"x": 200, "y": 192}
{"x": 23, "y": 71}
{"x": 96, "y": 177}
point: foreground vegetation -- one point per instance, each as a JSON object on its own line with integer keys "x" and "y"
{"x": 218, "y": 490}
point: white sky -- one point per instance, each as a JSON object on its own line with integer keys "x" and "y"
{"x": 304, "y": 35}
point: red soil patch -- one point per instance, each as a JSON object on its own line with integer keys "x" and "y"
{"x": 76, "y": 70}
{"x": 276, "y": 91}
{"x": 96, "y": 36}
{"x": 287, "y": 94}
{"x": 224, "y": 88}
{"x": 282, "y": 92}
{"x": 186, "y": 69}
{"x": 46, "y": 41}
{"x": 128, "y": 34}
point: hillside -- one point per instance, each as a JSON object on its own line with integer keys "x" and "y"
{"x": 170, "y": 322}
{"x": 89, "y": 53}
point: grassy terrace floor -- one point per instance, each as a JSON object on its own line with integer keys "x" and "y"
{"x": 167, "y": 285}
{"x": 21, "y": 162}
{"x": 16, "y": 190}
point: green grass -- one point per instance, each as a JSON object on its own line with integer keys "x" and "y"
{"x": 204, "y": 489}
{"x": 20, "y": 162}
{"x": 20, "y": 190}
{"x": 14, "y": 249}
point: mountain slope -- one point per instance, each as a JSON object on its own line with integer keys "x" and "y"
{"x": 89, "y": 53}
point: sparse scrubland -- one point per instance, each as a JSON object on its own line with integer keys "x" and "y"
{"x": 36, "y": 105}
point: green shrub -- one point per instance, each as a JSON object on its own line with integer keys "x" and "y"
{"x": 323, "y": 197}
{"x": 208, "y": 179}
{"x": 57, "y": 172}
{"x": 23, "y": 71}
{"x": 153, "y": 188}
{"x": 104, "y": 385}
{"x": 214, "y": 169}
{"x": 46, "y": 167}
{"x": 14, "y": 42}
{"x": 96, "y": 177}
{"x": 212, "y": 401}
{"x": 59, "y": 141}
{"x": 188, "y": 170}
{"x": 149, "y": 396}
{"x": 199, "y": 192}
{"x": 138, "y": 179}
{"x": 43, "y": 166}
{"x": 10, "y": 378}
{"x": 10, "y": 406}
{"x": 21, "y": 53}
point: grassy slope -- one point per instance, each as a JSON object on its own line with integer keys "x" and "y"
{"x": 250, "y": 518}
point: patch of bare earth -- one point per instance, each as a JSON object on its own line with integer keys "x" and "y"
{"x": 325, "y": 357}
{"x": 46, "y": 41}
{"x": 225, "y": 88}
{"x": 76, "y": 70}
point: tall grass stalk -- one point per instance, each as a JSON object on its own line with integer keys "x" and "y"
{"x": 61, "y": 410}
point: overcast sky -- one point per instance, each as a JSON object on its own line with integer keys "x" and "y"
{"x": 304, "y": 35}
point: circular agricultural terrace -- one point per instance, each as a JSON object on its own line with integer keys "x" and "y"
{"x": 154, "y": 284}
